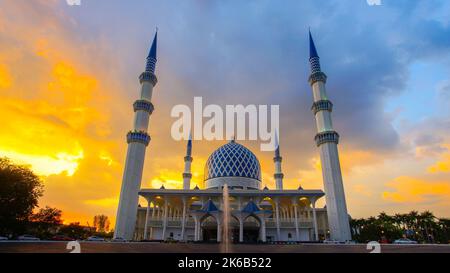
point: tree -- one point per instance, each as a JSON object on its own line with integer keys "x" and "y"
{"x": 47, "y": 215}
{"x": 76, "y": 231}
{"x": 20, "y": 190}
{"x": 101, "y": 223}
{"x": 45, "y": 222}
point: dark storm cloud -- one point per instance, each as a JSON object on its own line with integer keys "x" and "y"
{"x": 256, "y": 52}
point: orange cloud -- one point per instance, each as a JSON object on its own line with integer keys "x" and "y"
{"x": 5, "y": 77}
{"x": 443, "y": 165}
{"x": 412, "y": 190}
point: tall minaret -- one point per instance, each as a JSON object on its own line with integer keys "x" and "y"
{"x": 327, "y": 140}
{"x": 187, "y": 166}
{"x": 277, "y": 160}
{"x": 137, "y": 139}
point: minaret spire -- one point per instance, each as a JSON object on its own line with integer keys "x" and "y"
{"x": 138, "y": 140}
{"x": 277, "y": 160}
{"x": 187, "y": 175}
{"x": 327, "y": 140}
{"x": 314, "y": 59}
{"x": 312, "y": 47}
{"x": 151, "y": 58}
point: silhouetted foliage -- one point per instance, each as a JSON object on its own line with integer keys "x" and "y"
{"x": 101, "y": 223}
{"x": 45, "y": 223}
{"x": 20, "y": 190}
{"x": 422, "y": 227}
{"x": 76, "y": 231}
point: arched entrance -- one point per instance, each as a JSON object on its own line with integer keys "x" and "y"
{"x": 208, "y": 226}
{"x": 252, "y": 227}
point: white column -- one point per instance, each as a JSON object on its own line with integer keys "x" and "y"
{"x": 277, "y": 215}
{"x": 219, "y": 232}
{"x": 199, "y": 230}
{"x": 241, "y": 230}
{"x": 297, "y": 233}
{"x": 165, "y": 219}
{"x": 316, "y": 233}
{"x": 146, "y": 219}
{"x": 153, "y": 211}
{"x": 183, "y": 220}
{"x": 263, "y": 229}
{"x": 195, "y": 229}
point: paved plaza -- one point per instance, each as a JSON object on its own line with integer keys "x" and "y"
{"x": 154, "y": 247}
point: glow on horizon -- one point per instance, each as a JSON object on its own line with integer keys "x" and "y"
{"x": 45, "y": 165}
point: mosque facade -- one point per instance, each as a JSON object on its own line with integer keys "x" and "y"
{"x": 251, "y": 212}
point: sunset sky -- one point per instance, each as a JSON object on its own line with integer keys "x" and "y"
{"x": 69, "y": 77}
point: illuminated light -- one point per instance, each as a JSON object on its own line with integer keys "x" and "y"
{"x": 47, "y": 165}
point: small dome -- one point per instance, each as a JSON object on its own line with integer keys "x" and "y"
{"x": 265, "y": 205}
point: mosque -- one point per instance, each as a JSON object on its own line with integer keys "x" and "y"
{"x": 255, "y": 214}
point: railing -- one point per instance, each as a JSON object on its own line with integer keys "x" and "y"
{"x": 170, "y": 223}
{"x": 270, "y": 223}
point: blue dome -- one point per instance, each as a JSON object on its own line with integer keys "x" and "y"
{"x": 232, "y": 160}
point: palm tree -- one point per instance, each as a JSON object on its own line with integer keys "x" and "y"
{"x": 411, "y": 219}
{"x": 399, "y": 221}
{"x": 427, "y": 220}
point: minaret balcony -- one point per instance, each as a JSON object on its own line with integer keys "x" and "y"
{"x": 317, "y": 77}
{"x": 322, "y": 105}
{"x": 277, "y": 159}
{"x": 143, "y": 105}
{"x": 148, "y": 77}
{"x": 138, "y": 136}
{"x": 188, "y": 158}
{"x": 278, "y": 176}
{"x": 328, "y": 136}
{"x": 187, "y": 175}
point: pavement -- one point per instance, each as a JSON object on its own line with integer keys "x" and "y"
{"x": 156, "y": 247}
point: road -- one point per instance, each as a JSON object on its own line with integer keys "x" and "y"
{"x": 152, "y": 247}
